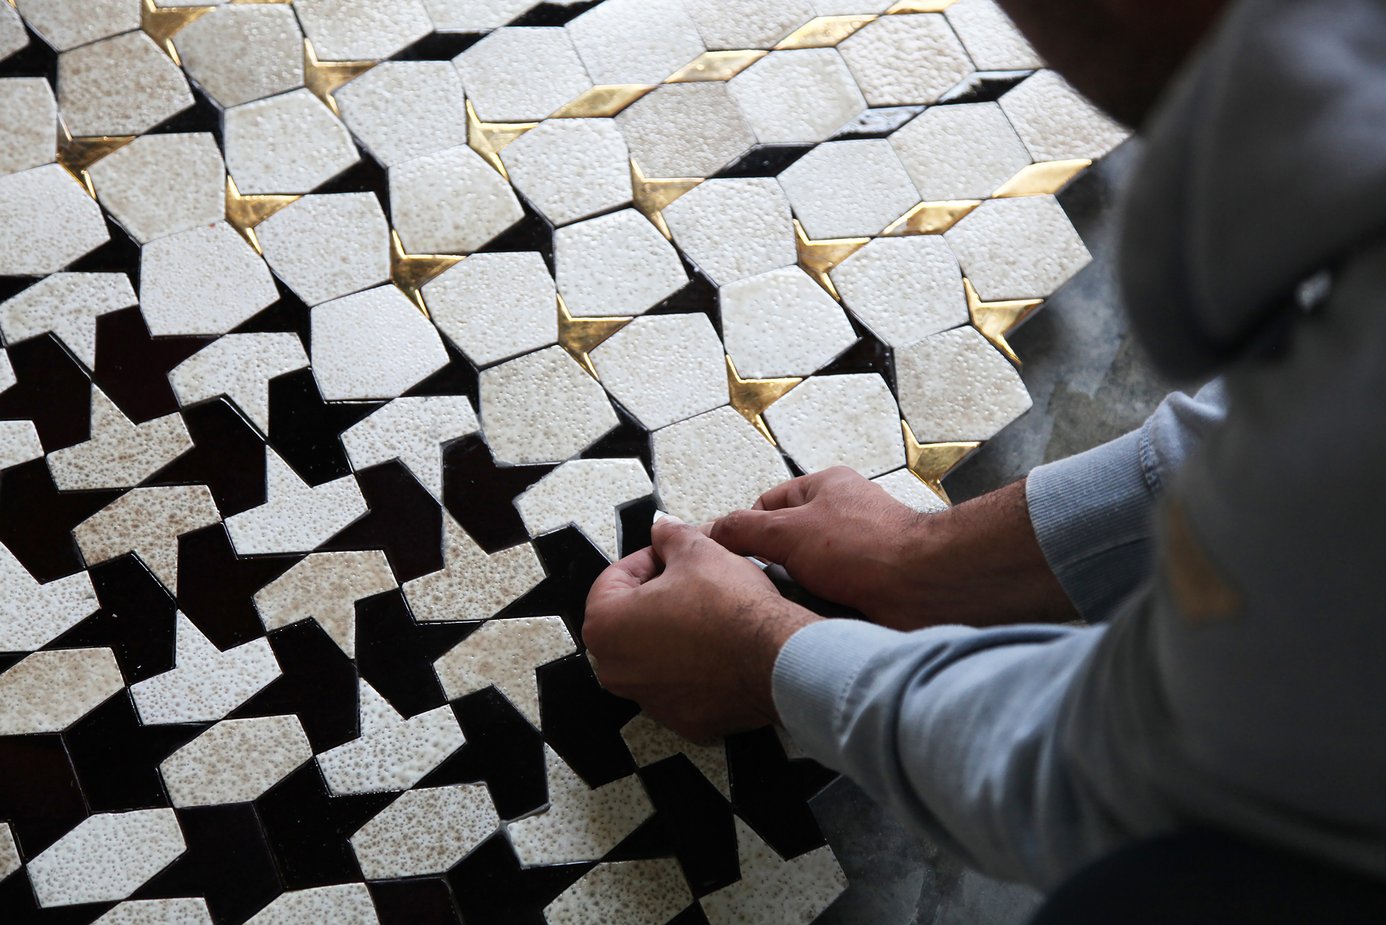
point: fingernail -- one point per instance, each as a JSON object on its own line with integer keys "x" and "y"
{"x": 665, "y": 515}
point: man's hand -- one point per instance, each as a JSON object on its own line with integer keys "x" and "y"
{"x": 691, "y": 632}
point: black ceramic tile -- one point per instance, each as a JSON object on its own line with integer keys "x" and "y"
{"x": 36, "y": 519}
{"x": 491, "y": 888}
{"x": 478, "y": 493}
{"x": 503, "y": 750}
{"x": 216, "y": 587}
{"x": 39, "y": 793}
{"x": 308, "y": 829}
{"x": 52, "y": 390}
{"x": 306, "y": 430}
{"x": 402, "y": 519}
{"x": 318, "y": 684}
{"x": 228, "y": 456}
{"x": 395, "y": 654}
{"x": 132, "y": 366}
{"x": 136, "y": 619}
{"x": 117, "y": 757}
{"x": 417, "y": 901}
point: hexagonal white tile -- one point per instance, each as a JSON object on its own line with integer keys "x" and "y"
{"x": 782, "y": 323}
{"x": 616, "y": 264}
{"x": 846, "y": 189}
{"x": 450, "y": 202}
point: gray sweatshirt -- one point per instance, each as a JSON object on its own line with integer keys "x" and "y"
{"x": 1233, "y": 546}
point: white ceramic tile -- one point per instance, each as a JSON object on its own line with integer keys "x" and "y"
{"x": 542, "y": 408}
{"x": 685, "y": 130}
{"x": 19, "y": 443}
{"x": 205, "y": 683}
{"x": 782, "y": 323}
{"x": 581, "y": 824}
{"x": 1056, "y": 123}
{"x": 160, "y": 184}
{"x": 585, "y": 493}
{"x": 625, "y": 893}
{"x": 903, "y": 289}
{"x": 362, "y": 30}
{"x": 147, "y": 522}
{"x": 392, "y": 753}
{"x": 450, "y": 202}
{"x": 472, "y": 585}
{"x": 772, "y": 890}
{"x": 425, "y": 831}
{"x": 106, "y": 857}
{"x": 1022, "y": 248}
{"x": 34, "y": 614}
{"x": 325, "y": 587}
{"x": 325, "y": 247}
{"x": 7, "y": 376}
{"x": 47, "y": 220}
{"x": 505, "y": 654}
{"x": 9, "y": 853}
{"x": 66, "y": 24}
{"x": 544, "y": 165}
{"x": 909, "y": 491}
{"x": 846, "y": 189}
{"x": 553, "y": 73}
{"x": 845, "y": 7}
{"x": 12, "y": 34}
{"x": 991, "y": 39}
{"x": 295, "y": 517}
{"x": 635, "y": 41}
{"x": 474, "y": 15}
{"x": 243, "y": 52}
{"x": 403, "y": 109}
{"x": 123, "y": 85}
{"x": 831, "y": 421}
{"x": 346, "y": 904}
{"x": 67, "y": 304}
{"x": 373, "y": 344}
{"x": 289, "y": 143}
{"x": 713, "y": 464}
{"x": 649, "y": 743}
{"x": 957, "y": 386}
{"x": 495, "y": 306}
{"x": 28, "y": 123}
{"x": 960, "y": 152}
{"x": 187, "y": 911}
{"x": 798, "y": 96}
{"x": 414, "y": 431}
{"x": 119, "y": 453}
{"x": 734, "y": 228}
{"x": 616, "y": 264}
{"x": 899, "y": 60}
{"x": 664, "y": 368}
{"x": 240, "y": 367}
{"x": 205, "y": 280}
{"x": 726, "y": 24}
{"x": 235, "y": 761}
{"x": 49, "y": 691}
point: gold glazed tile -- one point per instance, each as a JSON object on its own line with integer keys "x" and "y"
{"x": 716, "y": 65}
{"x": 932, "y": 462}
{"x": 580, "y": 336}
{"x": 162, "y": 23}
{"x": 825, "y": 31}
{"x": 411, "y": 272}
{"x": 602, "y": 101}
{"x": 325, "y": 77}
{"x": 819, "y": 258}
{"x": 651, "y": 196}
{"x": 1043, "y": 179}
{"x": 244, "y": 212}
{"x": 751, "y": 397}
{"x": 997, "y": 319}
{"x": 931, "y": 217}
{"x": 77, "y": 154}
{"x": 489, "y": 139}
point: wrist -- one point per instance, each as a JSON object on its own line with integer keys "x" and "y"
{"x": 773, "y": 621}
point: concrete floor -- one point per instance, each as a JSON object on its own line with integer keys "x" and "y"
{"x": 1089, "y": 384}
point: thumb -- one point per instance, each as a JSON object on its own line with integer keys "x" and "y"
{"x": 672, "y": 538}
{"x": 764, "y": 534}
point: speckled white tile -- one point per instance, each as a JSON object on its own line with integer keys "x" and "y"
{"x": 362, "y": 30}
{"x": 845, "y": 7}
{"x": 9, "y": 853}
{"x": 403, "y": 109}
{"x": 373, "y": 344}
{"x": 28, "y": 123}
{"x": 960, "y": 152}
{"x": 205, "y": 683}
{"x": 161, "y": 184}
{"x": 782, "y": 323}
{"x": 831, "y": 421}
{"x": 726, "y": 24}
{"x": 991, "y": 39}
{"x": 123, "y": 85}
{"x": 147, "y": 522}
{"x": 7, "y": 377}
{"x": 554, "y": 74}
{"x": 772, "y": 890}
{"x": 734, "y": 228}
{"x": 106, "y": 857}
{"x": 472, "y": 585}
{"x": 450, "y": 202}
{"x": 903, "y": 289}
{"x": 289, "y": 143}
{"x": 34, "y": 614}
{"x": 542, "y": 408}
{"x": 505, "y": 654}
{"x": 243, "y": 52}
{"x": 581, "y": 824}
{"x": 1056, "y": 123}
{"x": 296, "y": 517}
{"x": 119, "y": 453}
{"x": 240, "y": 367}
{"x": 325, "y": 587}
{"x": 326, "y": 247}
{"x": 685, "y": 130}
{"x": 392, "y": 753}
{"x": 474, "y": 15}
{"x": 635, "y": 41}
{"x": 649, "y": 743}
{"x": 495, "y": 306}
{"x": 347, "y": 904}
{"x": 414, "y": 431}
{"x": 186, "y": 911}
{"x": 585, "y": 493}
{"x": 1022, "y": 248}
{"x": 12, "y": 34}
{"x": 712, "y": 464}
{"x": 798, "y": 96}
{"x": 664, "y": 368}
{"x": 904, "y": 487}
{"x": 19, "y": 443}
{"x": 49, "y": 691}
{"x": 956, "y": 386}
{"x": 545, "y": 164}
{"x": 616, "y": 264}
{"x": 235, "y": 761}
{"x": 846, "y": 189}
{"x": 67, "y": 304}
{"x": 899, "y": 60}
{"x": 66, "y": 24}
{"x": 625, "y": 893}
{"x": 205, "y": 280}
{"x": 880, "y": 121}
{"x": 48, "y": 221}
{"x": 425, "y": 831}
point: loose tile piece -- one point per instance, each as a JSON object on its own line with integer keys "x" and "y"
{"x": 357, "y": 30}
{"x": 734, "y": 228}
{"x": 846, "y": 189}
{"x": 472, "y": 585}
{"x": 161, "y": 184}
{"x": 119, "y": 86}
{"x": 450, "y": 202}
{"x": 374, "y": 344}
{"x": 347, "y": 904}
{"x": 664, "y": 368}
{"x": 425, "y": 831}
{"x": 190, "y": 911}
{"x": 542, "y": 408}
{"x": 991, "y": 39}
{"x": 955, "y": 386}
{"x": 796, "y": 97}
{"x": 243, "y": 52}
{"x": 543, "y": 164}
{"x": 710, "y": 465}
{"x": 295, "y": 517}
{"x": 649, "y": 743}
{"x": 505, "y": 654}
{"x": 899, "y": 60}
{"x": 1018, "y": 248}
{"x": 960, "y": 152}
{"x": 206, "y": 280}
{"x": 1056, "y": 122}
{"x": 616, "y": 264}
{"x": 47, "y": 220}
{"x": 66, "y": 24}
{"x": 403, "y": 109}
{"x": 635, "y": 41}
{"x": 772, "y": 889}
{"x": 68, "y": 305}
{"x": 903, "y": 486}
{"x": 235, "y": 761}
{"x": 107, "y": 857}
{"x": 903, "y": 289}
{"x": 49, "y": 691}
{"x": 289, "y": 143}
{"x": 625, "y": 893}
{"x": 782, "y": 323}
{"x": 554, "y": 74}
{"x": 325, "y": 587}
{"x": 9, "y": 854}
{"x": 581, "y": 824}
{"x": 392, "y": 753}
{"x": 120, "y": 453}
{"x": 727, "y": 24}
{"x": 414, "y": 431}
{"x": 206, "y": 683}
{"x": 28, "y": 123}
{"x": 326, "y": 247}
{"x": 19, "y": 443}
{"x": 147, "y": 522}
{"x": 239, "y": 366}
{"x": 495, "y": 306}
{"x": 831, "y": 421}
{"x": 585, "y": 493}
{"x": 33, "y": 614}
{"x": 685, "y": 130}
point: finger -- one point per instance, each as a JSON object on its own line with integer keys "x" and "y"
{"x": 672, "y": 538}
{"x": 786, "y": 494}
{"x": 767, "y": 535}
{"x": 626, "y": 575}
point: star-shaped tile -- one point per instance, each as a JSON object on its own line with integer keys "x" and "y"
{"x": 78, "y": 154}
{"x": 162, "y": 23}
{"x": 580, "y": 336}
{"x": 932, "y": 462}
{"x": 412, "y": 430}
{"x": 296, "y": 517}
{"x": 651, "y": 196}
{"x": 489, "y": 139}
{"x": 751, "y": 397}
{"x": 325, "y": 587}
{"x": 239, "y": 366}
{"x": 324, "y": 77}
{"x": 411, "y": 272}
{"x": 148, "y": 522}
{"x": 819, "y": 258}
{"x": 505, "y": 654}
{"x": 472, "y": 585}
{"x": 996, "y": 320}
{"x": 245, "y": 211}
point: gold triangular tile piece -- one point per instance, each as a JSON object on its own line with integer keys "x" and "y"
{"x": 244, "y": 212}
{"x": 931, "y": 217}
{"x": 1043, "y": 179}
{"x": 997, "y": 319}
{"x": 931, "y": 462}
{"x": 77, "y": 154}
{"x": 580, "y": 336}
{"x": 716, "y": 65}
{"x": 489, "y": 139}
{"x": 825, "y": 31}
{"x": 751, "y": 397}
{"x": 324, "y": 78}
{"x": 602, "y": 101}
{"x": 411, "y": 272}
{"x": 819, "y": 258}
{"x": 652, "y": 196}
{"x": 162, "y": 23}
{"x": 920, "y": 6}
